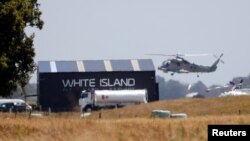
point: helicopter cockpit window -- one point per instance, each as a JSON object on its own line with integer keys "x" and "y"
{"x": 84, "y": 94}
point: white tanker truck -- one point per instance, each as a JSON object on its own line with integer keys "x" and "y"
{"x": 100, "y": 99}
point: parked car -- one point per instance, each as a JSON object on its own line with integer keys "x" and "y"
{"x": 16, "y": 105}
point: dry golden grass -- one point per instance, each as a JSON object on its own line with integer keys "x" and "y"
{"x": 127, "y": 127}
{"x": 193, "y": 107}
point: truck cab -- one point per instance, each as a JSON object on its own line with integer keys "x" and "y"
{"x": 85, "y": 101}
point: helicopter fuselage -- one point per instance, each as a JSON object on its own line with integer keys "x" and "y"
{"x": 183, "y": 66}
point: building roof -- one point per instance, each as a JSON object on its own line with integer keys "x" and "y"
{"x": 95, "y": 66}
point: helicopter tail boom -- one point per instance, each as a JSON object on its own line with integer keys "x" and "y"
{"x": 214, "y": 66}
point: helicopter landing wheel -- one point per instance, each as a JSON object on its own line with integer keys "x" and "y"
{"x": 172, "y": 74}
{"x": 198, "y": 75}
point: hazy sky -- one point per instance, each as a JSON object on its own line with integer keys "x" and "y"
{"x": 129, "y": 29}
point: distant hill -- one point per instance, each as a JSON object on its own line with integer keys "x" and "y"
{"x": 173, "y": 89}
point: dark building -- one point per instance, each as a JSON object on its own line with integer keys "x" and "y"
{"x": 61, "y": 82}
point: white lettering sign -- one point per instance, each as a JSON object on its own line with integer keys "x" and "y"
{"x": 79, "y": 83}
{"x": 128, "y": 82}
{"x": 216, "y": 132}
{"x": 103, "y": 82}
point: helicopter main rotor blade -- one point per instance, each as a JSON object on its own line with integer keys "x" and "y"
{"x": 181, "y": 55}
{"x": 197, "y": 55}
{"x": 160, "y": 54}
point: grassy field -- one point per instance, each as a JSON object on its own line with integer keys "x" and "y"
{"x": 193, "y": 107}
{"x": 130, "y": 123}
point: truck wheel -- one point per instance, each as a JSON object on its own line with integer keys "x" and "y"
{"x": 88, "y": 109}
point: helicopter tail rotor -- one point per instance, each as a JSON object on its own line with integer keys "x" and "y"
{"x": 219, "y": 58}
